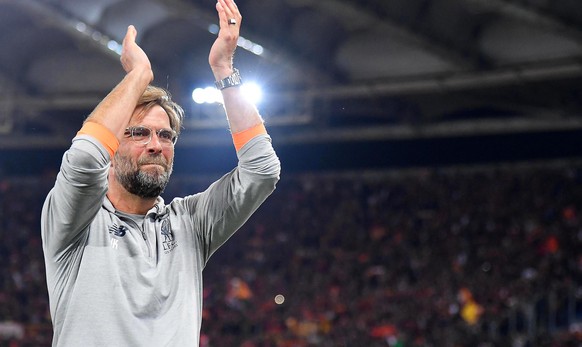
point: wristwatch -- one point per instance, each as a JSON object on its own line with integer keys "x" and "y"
{"x": 230, "y": 81}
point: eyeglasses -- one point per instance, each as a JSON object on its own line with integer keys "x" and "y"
{"x": 143, "y": 135}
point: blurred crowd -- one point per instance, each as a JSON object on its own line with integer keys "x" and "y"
{"x": 482, "y": 256}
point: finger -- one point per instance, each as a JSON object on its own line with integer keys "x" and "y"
{"x": 231, "y": 5}
{"x": 130, "y": 35}
{"x": 221, "y": 13}
{"x": 228, "y": 9}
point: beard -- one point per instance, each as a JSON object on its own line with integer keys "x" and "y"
{"x": 143, "y": 183}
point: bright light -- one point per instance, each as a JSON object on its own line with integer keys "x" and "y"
{"x": 198, "y": 96}
{"x": 214, "y": 96}
{"x": 208, "y": 95}
{"x": 213, "y": 29}
{"x": 257, "y": 49}
{"x": 250, "y": 46}
{"x": 279, "y": 299}
{"x": 246, "y": 44}
{"x": 81, "y": 27}
{"x": 211, "y": 95}
{"x": 252, "y": 92}
{"x": 96, "y": 36}
{"x": 114, "y": 46}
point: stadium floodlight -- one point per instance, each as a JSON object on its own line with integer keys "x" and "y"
{"x": 253, "y": 92}
{"x": 210, "y": 95}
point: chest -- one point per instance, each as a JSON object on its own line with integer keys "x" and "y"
{"x": 149, "y": 242}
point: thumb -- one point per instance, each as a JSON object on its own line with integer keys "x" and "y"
{"x": 130, "y": 35}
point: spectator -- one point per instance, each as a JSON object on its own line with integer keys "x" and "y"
{"x": 354, "y": 253}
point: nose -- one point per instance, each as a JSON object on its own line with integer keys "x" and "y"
{"x": 154, "y": 146}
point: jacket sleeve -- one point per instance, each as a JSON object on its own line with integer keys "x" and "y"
{"x": 228, "y": 203}
{"x": 77, "y": 195}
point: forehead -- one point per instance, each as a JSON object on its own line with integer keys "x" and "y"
{"x": 154, "y": 117}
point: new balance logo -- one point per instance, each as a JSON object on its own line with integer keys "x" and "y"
{"x": 118, "y": 230}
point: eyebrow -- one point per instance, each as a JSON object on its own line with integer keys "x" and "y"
{"x": 151, "y": 127}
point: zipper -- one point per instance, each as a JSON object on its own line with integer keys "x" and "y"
{"x": 143, "y": 234}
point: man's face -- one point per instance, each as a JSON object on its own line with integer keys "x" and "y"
{"x": 144, "y": 169}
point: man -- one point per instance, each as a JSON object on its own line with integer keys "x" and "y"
{"x": 123, "y": 268}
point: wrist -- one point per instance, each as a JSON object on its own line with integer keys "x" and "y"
{"x": 144, "y": 74}
{"x": 221, "y": 72}
{"x": 232, "y": 80}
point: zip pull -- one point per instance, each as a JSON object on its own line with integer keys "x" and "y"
{"x": 143, "y": 235}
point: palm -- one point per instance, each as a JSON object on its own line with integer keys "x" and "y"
{"x": 132, "y": 55}
{"x": 221, "y": 54}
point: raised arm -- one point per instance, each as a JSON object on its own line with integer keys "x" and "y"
{"x": 220, "y": 210}
{"x": 115, "y": 110}
{"x": 82, "y": 180}
{"x": 241, "y": 113}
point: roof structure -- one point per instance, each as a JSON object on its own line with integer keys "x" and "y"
{"x": 332, "y": 70}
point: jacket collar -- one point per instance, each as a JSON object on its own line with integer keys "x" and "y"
{"x": 158, "y": 211}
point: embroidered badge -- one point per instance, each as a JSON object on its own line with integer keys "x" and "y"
{"x": 168, "y": 241}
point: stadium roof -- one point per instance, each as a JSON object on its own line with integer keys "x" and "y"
{"x": 332, "y": 70}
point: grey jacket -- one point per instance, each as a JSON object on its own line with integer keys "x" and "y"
{"x": 114, "y": 282}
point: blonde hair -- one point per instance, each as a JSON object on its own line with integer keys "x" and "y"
{"x": 158, "y": 96}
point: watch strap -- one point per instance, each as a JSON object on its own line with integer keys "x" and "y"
{"x": 230, "y": 81}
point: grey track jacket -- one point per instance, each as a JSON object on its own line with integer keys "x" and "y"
{"x": 113, "y": 282}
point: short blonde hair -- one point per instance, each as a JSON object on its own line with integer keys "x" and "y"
{"x": 159, "y": 96}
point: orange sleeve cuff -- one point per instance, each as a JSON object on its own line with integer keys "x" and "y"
{"x": 242, "y": 137}
{"x": 102, "y": 134}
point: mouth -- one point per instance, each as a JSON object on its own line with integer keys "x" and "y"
{"x": 153, "y": 161}
{"x": 153, "y": 166}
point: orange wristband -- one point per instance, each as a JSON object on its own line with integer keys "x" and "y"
{"x": 102, "y": 134}
{"x": 242, "y": 137}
